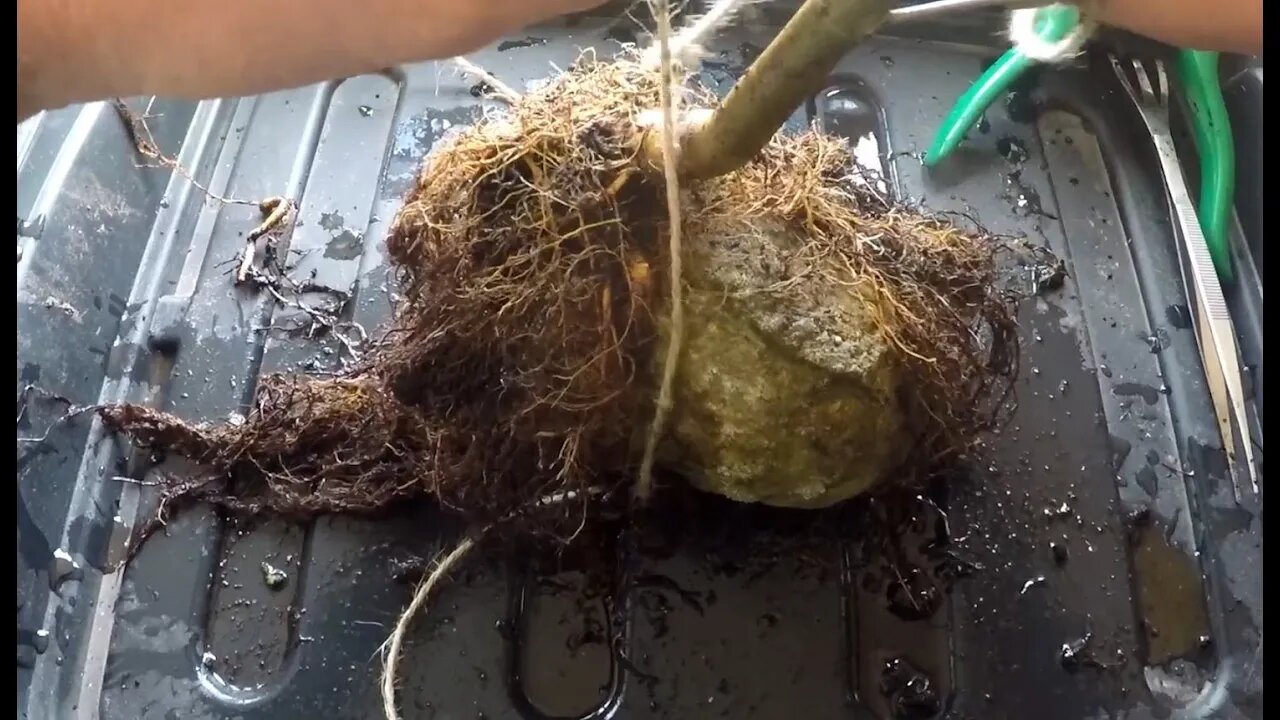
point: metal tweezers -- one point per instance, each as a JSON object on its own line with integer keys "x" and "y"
{"x": 1212, "y": 320}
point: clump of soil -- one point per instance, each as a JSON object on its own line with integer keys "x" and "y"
{"x": 519, "y": 370}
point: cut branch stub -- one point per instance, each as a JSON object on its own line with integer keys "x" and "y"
{"x": 793, "y": 68}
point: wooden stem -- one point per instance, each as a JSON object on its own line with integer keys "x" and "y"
{"x": 792, "y": 69}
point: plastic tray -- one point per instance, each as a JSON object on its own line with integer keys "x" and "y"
{"x": 1102, "y": 511}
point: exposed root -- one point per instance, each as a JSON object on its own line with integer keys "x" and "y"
{"x": 274, "y": 212}
{"x": 306, "y": 447}
{"x": 391, "y": 659}
{"x": 675, "y": 335}
{"x": 274, "y": 209}
{"x": 533, "y": 259}
{"x": 72, "y": 412}
{"x": 145, "y": 144}
{"x": 496, "y": 88}
{"x": 686, "y": 47}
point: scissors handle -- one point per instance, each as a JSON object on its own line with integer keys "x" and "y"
{"x": 1053, "y": 24}
{"x": 1211, "y": 130}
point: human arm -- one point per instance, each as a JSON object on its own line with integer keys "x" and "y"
{"x": 1226, "y": 25}
{"x": 80, "y": 50}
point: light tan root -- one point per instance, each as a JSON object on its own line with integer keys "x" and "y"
{"x": 499, "y": 89}
{"x": 274, "y": 211}
{"x": 686, "y": 46}
{"x": 144, "y": 143}
{"x": 662, "y": 408}
{"x": 391, "y": 659}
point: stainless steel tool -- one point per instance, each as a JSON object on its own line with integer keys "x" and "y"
{"x": 1215, "y": 334}
{"x": 923, "y": 11}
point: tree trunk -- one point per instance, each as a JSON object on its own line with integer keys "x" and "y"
{"x": 793, "y": 68}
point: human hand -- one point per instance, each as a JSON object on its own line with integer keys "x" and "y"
{"x": 93, "y": 49}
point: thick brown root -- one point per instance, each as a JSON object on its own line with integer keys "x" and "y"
{"x": 306, "y": 448}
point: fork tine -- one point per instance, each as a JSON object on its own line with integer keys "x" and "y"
{"x": 1163, "y": 79}
{"x": 1121, "y": 75}
{"x": 1144, "y": 81}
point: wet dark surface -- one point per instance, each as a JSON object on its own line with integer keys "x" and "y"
{"x": 1091, "y": 560}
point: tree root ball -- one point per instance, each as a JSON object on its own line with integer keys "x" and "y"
{"x": 834, "y": 340}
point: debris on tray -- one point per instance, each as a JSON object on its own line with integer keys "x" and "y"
{"x": 1074, "y": 652}
{"x": 274, "y": 212}
{"x": 273, "y": 577}
{"x": 1048, "y": 276}
{"x": 1080, "y": 653}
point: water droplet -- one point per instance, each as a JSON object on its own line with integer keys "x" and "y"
{"x": 1059, "y": 552}
{"x": 63, "y": 568}
{"x": 1058, "y": 511}
{"x": 1157, "y": 341}
{"x": 366, "y": 111}
{"x": 910, "y": 692}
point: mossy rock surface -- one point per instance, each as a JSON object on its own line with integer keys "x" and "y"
{"x": 786, "y": 392}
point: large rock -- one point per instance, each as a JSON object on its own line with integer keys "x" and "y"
{"x": 786, "y": 394}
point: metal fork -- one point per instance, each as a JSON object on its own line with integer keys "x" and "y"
{"x": 1212, "y": 321}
